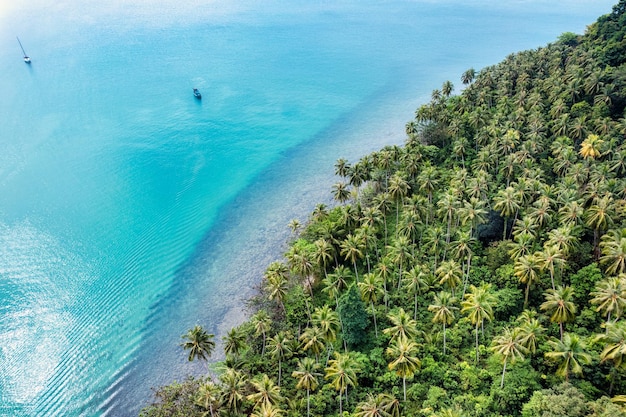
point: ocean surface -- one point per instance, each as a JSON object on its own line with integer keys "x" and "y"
{"x": 129, "y": 211}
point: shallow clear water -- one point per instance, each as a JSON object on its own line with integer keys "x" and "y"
{"x": 130, "y": 211}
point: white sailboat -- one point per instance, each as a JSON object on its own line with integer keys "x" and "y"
{"x": 26, "y": 57}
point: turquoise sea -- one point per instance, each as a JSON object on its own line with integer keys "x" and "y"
{"x": 129, "y": 211}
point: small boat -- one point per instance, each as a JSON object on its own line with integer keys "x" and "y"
{"x": 26, "y": 57}
{"x": 197, "y": 94}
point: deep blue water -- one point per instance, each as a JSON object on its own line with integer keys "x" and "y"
{"x": 129, "y": 211}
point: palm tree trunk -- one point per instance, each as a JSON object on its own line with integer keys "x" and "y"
{"x": 476, "y": 331}
{"x": 444, "y": 338}
{"x": 355, "y": 271}
{"x": 415, "y": 311}
{"x": 526, "y": 294}
{"x": 404, "y": 386}
{"x": 503, "y": 371}
{"x": 279, "y": 371}
{"x": 308, "y": 408}
{"x": 340, "y": 403}
{"x": 374, "y": 315}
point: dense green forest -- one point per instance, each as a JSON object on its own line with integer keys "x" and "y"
{"x": 478, "y": 270}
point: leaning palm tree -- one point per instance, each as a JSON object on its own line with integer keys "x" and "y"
{"x": 307, "y": 378}
{"x": 560, "y": 306}
{"x": 571, "y": 354}
{"x": 478, "y": 305}
{"x": 199, "y": 343}
{"x": 443, "y": 307}
{"x": 342, "y": 372}
{"x": 508, "y": 346}
{"x": 404, "y": 360}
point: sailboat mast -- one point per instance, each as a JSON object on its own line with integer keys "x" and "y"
{"x": 18, "y": 41}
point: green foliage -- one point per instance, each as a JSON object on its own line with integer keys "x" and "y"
{"x": 354, "y": 318}
{"x": 175, "y": 400}
{"x": 538, "y": 140}
{"x": 520, "y": 382}
{"x": 562, "y": 401}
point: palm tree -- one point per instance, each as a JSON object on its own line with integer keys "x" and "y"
{"x": 341, "y": 192}
{"x": 599, "y": 216}
{"x": 398, "y": 189}
{"x": 208, "y": 397}
{"x": 590, "y": 147}
{"x": 405, "y": 362}
{"x": 449, "y": 274}
{"x": 199, "y": 343}
{"x": 373, "y": 406}
{"x": 613, "y": 247}
{"x": 280, "y": 349}
{"x": 400, "y": 253}
{"x": 233, "y": 388}
{"x": 328, "y": 321}
{"x": 266, "y": 392}
{"x": 402, "y": 325}
{"x": 342, "y": 167}
{"x": 507, "y": 203}
{"x": 276, "y": 282}
{"x": 478, "y": 305}
{"x": 529, "y": 331}
{"x": 552, "y": 260}
{"x": 610, "y": 296}
{"x": 323, "y": 255}
{"x": 416, "y": 283}
{"x": 342, "y": 372}
{"x": 371, "y": 288}
{"x": 352, "y": 249}
{"x": 468, "y": 76}
{"x": 526, "y": 269}
{"x": 307, "y": 378}
{"x": 570, "y": 351}
{"x": 614, "y": 341}
{"x": 335, "y": 282}
{"x": 508, "y": 345}
{"x": 266, "y": 410}
{"x": 560, "y": 306}
{"x": 234, "y": 342}
{"x": 474, "y": 212}
{"x": 262, "y": 324}
{"x": 443, "y": 308}
{"x": 313, "y": 339}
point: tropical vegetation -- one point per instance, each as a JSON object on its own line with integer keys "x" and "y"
{"x": 478, "y": 270}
